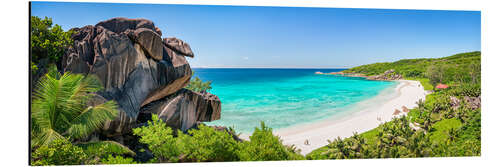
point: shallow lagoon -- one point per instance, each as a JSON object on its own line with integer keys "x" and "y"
{"x": 285, "y": 97}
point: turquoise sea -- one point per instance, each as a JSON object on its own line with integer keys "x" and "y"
{"x": 285, "y": 97}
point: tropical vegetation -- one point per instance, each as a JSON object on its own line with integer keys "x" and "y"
{"x": 455, "y": 69}
{"x": 65, "y": 120}
{"x": 198, "y": 85}
{"x": 206, "y": 144}
{"x": 48, "y": 42}
{"x": 436, "y": 128}
{"x": 61, "y": 118}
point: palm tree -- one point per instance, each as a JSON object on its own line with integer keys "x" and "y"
{"x": 60, "y": 110}
{"x": 420, "y": 104}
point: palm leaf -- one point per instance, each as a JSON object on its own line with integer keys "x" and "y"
{"x": 105, "y": 147}
{"x": 59, "y": 107}
{"x": 46, "y": 136}
{"x": 91, "y": 119}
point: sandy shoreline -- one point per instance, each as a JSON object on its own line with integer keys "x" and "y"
{"x": 407, "y": 94}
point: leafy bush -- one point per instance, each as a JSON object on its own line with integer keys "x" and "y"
{"x": 160, "y": 140}
{"x": 207, "y": 144}
{"x": 118, "y": 160}
{"x": 466, "y": 89}
{"x": 264, "y": 146}
{"x": 97, "y": 150}
{"x": 443, "y": 129}
{"x": 198, "y": 85}
{"x": 58, "y": 152}
{"x": 48, "y": 41}
{"x": 435, "y": 74}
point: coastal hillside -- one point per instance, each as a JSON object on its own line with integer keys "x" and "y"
{"x": 447, "y": 123}
{"x": 463, "y": 67}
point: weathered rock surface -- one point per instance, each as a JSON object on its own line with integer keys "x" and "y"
{"x": 149, "y": 40}
{"x": 185, "y": 108}
{"x": 470, "y": 102}
{"x": 179, "y": 46}
{"x": 388, "y": 75}
{"x": 136, "y": 67}
{"x": 473, "y": 102}
{"x": 405, "y": 109}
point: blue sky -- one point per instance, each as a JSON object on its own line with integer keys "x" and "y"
{"x": 242, "y": 36}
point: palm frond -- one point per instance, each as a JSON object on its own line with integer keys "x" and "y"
{"x": 92, "y": 118}
{"x": 45, "y": 136}
{"x": 105, "y": 147}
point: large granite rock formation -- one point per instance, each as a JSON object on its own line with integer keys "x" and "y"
{"x": 137, "y": 67}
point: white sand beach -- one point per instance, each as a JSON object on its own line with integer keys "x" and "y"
{"x": 407, "y": 94}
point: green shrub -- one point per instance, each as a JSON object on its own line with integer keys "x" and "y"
{"x": 443, "y": 129}
{"x": 118, "y": 160}
{"x": 466, "y": 89}
{"x": 198, "y": 85}
{"x": 264, "y": 146}
{"x": 58, "y": 152}
{"x": 160, "y": 140}
{"x": 48, "y": 41}
{"x": 207, "y": 144}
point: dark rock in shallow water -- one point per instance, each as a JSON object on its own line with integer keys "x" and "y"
{"x": 136, "y": 67}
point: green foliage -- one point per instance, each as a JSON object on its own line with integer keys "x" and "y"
{"x": 467, "y": 89}
{"x": 160, "y": 140}
{"x": 33, "y": 67}
{"x": 48, "y": 41}
{"x": 459, "y": 68}
{"x": 436, "y": 74}
{"x": 118, "y": 160}
{"x": 58, "y": 152}
{"x": 424, "y": 81}
{"x": 445, "y": 129}
{"x": 207, "y": 144}
{"x": 103, "y": 148}
{"x": 59, "y": 107}
{"x": 198, "y": 85}
{"x": 264, "y": 146}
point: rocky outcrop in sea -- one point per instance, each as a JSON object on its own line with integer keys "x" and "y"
{"x": 142, "y": 72}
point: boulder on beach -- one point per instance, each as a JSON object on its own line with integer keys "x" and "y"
{"x": 136, "y": 67}
{"x": 405, "y": 109}
{"x": 387, "y": 75}
{"x": 396, "y": 112}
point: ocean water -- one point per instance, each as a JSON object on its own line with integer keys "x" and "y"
{"x": 285, "y": 97}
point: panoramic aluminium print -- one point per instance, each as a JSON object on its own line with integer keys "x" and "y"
{"x": 132, "y": 83}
